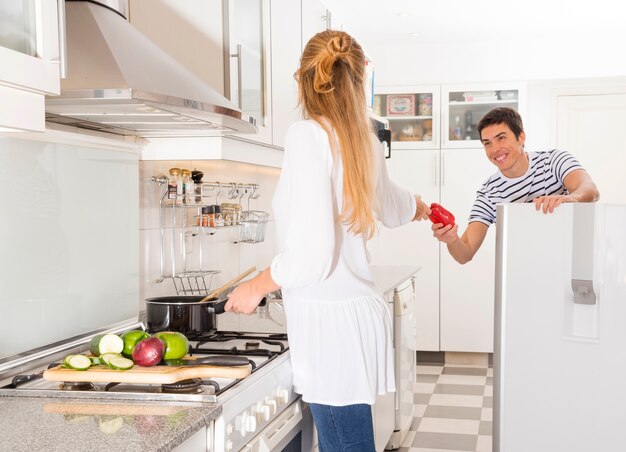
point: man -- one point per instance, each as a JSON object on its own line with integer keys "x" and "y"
{"x": 546, "y": 178}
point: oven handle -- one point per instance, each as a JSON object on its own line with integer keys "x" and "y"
{"x": 271, "y": 437}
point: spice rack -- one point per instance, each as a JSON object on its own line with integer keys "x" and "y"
{"x": 185, "y": 218}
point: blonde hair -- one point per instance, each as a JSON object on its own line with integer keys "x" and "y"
{"x": 331, "y": 91}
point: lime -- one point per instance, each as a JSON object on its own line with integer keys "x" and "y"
{"x": 176, "y": 344}
{"x": 130, "y": 340}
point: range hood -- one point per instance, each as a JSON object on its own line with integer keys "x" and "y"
{"x": 119, "y": 81}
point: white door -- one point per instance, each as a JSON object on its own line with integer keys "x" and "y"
{"x": 591, "y": 128}
{"x": 466, "y": 290}
{"x": 413, "y": 243}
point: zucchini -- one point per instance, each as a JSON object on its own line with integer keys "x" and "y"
{"x": 104, "y": 359}
{"x": 95, "y": 360}
{"x": 120, "y": 363}
{"x": 106, "y": 343}
{"x": 66, "y": 362}
{"x": 78, "y": 362}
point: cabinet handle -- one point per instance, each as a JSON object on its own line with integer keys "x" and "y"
{"x": 443, "y": 168}
{"x": 62, "y": 39}
{"x": 239, "y": 87}
{"x": 435, "y": 169}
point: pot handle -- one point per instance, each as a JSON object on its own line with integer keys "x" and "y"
{"x": 218, "y": 308}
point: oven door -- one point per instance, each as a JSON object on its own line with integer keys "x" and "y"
{"x": 292, "y": 431}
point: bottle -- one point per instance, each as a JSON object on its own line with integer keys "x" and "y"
{"x": 219, "y": 220}
{"x": 457, "y": 132}
{"x": 172, "y": 183}
{"x": 196, "y": 177}
{"x": 188, "y": 190}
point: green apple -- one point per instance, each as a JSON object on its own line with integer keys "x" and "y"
{"x": 130, "y": 340}
{"x": 176, "y": 344}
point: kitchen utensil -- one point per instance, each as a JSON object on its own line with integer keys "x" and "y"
{"x": 226, "y": 286}
{"x": 208, "y": 360}
{"x": 146, "y": 375}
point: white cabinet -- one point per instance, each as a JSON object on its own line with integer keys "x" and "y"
{"x": 413, "y": 113}
{"x": 29, "y": 51}
{"x": 454, "y": 303}
{"x": 464, "y": 105}
{"x": 247, "y": 55}
{"x": 315, "y": 18}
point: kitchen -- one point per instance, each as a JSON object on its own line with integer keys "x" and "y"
{"x": 75, "y": 272}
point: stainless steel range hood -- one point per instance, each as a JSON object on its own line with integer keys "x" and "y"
{"x": 119, "y": 81}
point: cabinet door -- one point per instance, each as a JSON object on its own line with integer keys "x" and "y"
{"x": 413, "y": 243}
{"x": 247, "y": 51}
{"x": 286, "y": 50}
{"x": 315, "y": 18}
{"x": 29, "y": 46}
{"x": 413, "y": 115}
{"x": 588, "y": 127}
{"x": 466, "y": 290}
{"x": 464, "y": 105}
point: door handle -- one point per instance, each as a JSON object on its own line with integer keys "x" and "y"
{"x": 239, "y": 87}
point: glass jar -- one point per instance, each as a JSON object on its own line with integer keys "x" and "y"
{"x": 236, "y": 213}
{"x": 172, "y": 183}
{"x": 227, "y": 213}
{"x": 188, "y": 191}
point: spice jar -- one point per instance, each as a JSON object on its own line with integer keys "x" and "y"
{"x": 219, "y": 219}
{"x": 196, "y": 176}
{"x": 205, "y": 216}
{"x": 172, "y": 183}
{"x": 236, "y": 213}
{"x": 227, "y": 213}
{"x": 211, "y": 215}
{"x": 188, "y": 191}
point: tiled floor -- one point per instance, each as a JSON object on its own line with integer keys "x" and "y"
{"x": 452, "y": 409}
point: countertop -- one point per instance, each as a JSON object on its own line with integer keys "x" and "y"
{"x": 74, "y": 425}
{"x": 386, "y": 277}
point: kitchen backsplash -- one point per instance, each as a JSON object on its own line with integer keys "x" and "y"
{"x": 221, "y": 251}
{"x": 69, "y": 241}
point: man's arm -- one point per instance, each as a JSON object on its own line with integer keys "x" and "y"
{"x": 580, "y": 186}
{"x": 463, "y": 248}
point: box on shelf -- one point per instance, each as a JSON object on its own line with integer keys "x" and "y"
{"x": 401, "y": 105}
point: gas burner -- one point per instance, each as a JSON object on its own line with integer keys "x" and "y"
{"x": 191, "y": 386}
{"x": 77, "y": 386}
{"x": 252, "y": 345}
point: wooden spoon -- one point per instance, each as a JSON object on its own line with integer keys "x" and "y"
{"x": 229, "y": 284}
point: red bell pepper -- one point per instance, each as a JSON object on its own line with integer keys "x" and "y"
{"x": 440, "y": 215}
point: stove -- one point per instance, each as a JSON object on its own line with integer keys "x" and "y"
{"x": 250, "y": 406}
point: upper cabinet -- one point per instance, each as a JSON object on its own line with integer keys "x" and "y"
{"x": 464, "y": 105}
{"x": 247, "y": 57}
{"x": 29, "y": 51}
{"x": 413, "y": 115}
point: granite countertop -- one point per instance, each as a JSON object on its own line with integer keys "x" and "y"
{"x": 386, "y": 277}
{"x": 59, "y": 424}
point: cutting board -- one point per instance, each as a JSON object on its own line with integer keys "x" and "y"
{"x": 146, "y": 375}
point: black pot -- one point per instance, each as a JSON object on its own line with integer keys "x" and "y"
{"x": 183, "y": 313}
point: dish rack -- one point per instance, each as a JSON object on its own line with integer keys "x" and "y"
{"x": 183, "y": 229}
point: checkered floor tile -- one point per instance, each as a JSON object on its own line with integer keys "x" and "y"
{"x": 452, "y": 409}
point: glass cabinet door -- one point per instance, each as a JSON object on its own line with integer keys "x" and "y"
{"x": 412, "y": 115}
{"x": 19, "y": 27}
{"x": 246, "y": 25}
{"x": 464, "y": 108}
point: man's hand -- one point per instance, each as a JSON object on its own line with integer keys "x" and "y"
{"x": 446, "y": 234}
{"x": 549, "y": 203}
{"x": 422, "y": 210}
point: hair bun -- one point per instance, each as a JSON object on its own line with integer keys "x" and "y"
{"x": 339, "y": 45}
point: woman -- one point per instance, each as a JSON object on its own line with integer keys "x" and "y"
{"x": 332, "y": 188}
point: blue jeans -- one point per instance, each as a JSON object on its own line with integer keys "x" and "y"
{"x": 344, "y": 428}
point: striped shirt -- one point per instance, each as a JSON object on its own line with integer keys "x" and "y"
{"x": 545, "y": 175}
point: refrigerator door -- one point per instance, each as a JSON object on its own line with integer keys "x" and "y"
{"x": 560, "y": 339}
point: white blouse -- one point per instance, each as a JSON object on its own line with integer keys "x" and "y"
{"x": 339, "y": 327}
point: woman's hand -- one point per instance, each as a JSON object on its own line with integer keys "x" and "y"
{"x": 422, "y": 210}
{"x": 244, "y": 299}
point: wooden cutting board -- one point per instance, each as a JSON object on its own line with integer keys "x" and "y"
{"x": 146, "y": 375}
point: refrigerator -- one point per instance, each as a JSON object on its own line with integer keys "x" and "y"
{"x": 560, "y": 329}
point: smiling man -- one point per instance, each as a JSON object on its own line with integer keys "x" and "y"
{"x": 546, "y": 178}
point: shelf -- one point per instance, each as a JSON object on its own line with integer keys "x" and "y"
{"x": 455, "y": 103}
{"x": 393, "y": 118}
